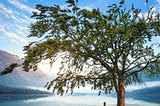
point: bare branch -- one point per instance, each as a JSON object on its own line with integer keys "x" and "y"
{"x": 134, "y": 62}
{"x": 136, "y": 71}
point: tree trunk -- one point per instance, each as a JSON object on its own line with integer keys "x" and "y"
{"x": 121, "y": 92}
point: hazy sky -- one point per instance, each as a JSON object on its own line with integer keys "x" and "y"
{"x": 15, "y": 18}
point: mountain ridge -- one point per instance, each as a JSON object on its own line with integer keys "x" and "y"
{"x": 19, "y": 77}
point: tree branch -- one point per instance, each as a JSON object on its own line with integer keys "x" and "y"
{"x": 138, "y": 70}
{"x": 146, "y": 62}
{"x": 134, "y": 62}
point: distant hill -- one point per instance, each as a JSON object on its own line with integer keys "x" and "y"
{"x": 19, "y": 78}
{"x": 11, "y": 93}
{"x": 14, "y": 90}
{"x": 150, "y": 94}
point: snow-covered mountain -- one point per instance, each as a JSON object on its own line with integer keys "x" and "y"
{"x": 19, "y": 78}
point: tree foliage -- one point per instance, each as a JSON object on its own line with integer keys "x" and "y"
{"x": 9, "y": 69}
{"x": 100, "y": 49}
{"x": 112, "y": 45}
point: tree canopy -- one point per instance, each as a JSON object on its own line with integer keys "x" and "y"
{"x": 106, "y": 50}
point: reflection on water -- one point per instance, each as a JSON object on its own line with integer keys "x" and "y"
{"x": 134, "y": 97}
{"x": 86, "y": 100}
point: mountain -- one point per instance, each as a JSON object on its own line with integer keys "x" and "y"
{"x": 7, "y": 58}
{"x": 19, "y": 78}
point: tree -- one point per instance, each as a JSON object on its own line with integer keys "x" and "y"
{"x": 108, "y": 51}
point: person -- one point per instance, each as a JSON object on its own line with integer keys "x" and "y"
{"x": 104, "y": 104}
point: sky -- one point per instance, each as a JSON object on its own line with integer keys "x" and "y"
{"x": 15, "y": 18}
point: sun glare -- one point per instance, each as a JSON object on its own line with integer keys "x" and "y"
{"x": 46, "y": 68}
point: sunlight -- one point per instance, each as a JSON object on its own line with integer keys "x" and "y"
{"x": 47, "y": 69}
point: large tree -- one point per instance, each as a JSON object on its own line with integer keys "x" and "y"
{"x": 106, "y": 50}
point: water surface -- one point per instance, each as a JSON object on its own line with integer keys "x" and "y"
{"x": 149, "y": 96}
{"x": 86, "y": 100}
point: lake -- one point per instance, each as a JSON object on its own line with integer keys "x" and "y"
{"x": 74, "y": 101}
{"x": 146, "y": 96}
{"x": 82, "y": 100}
